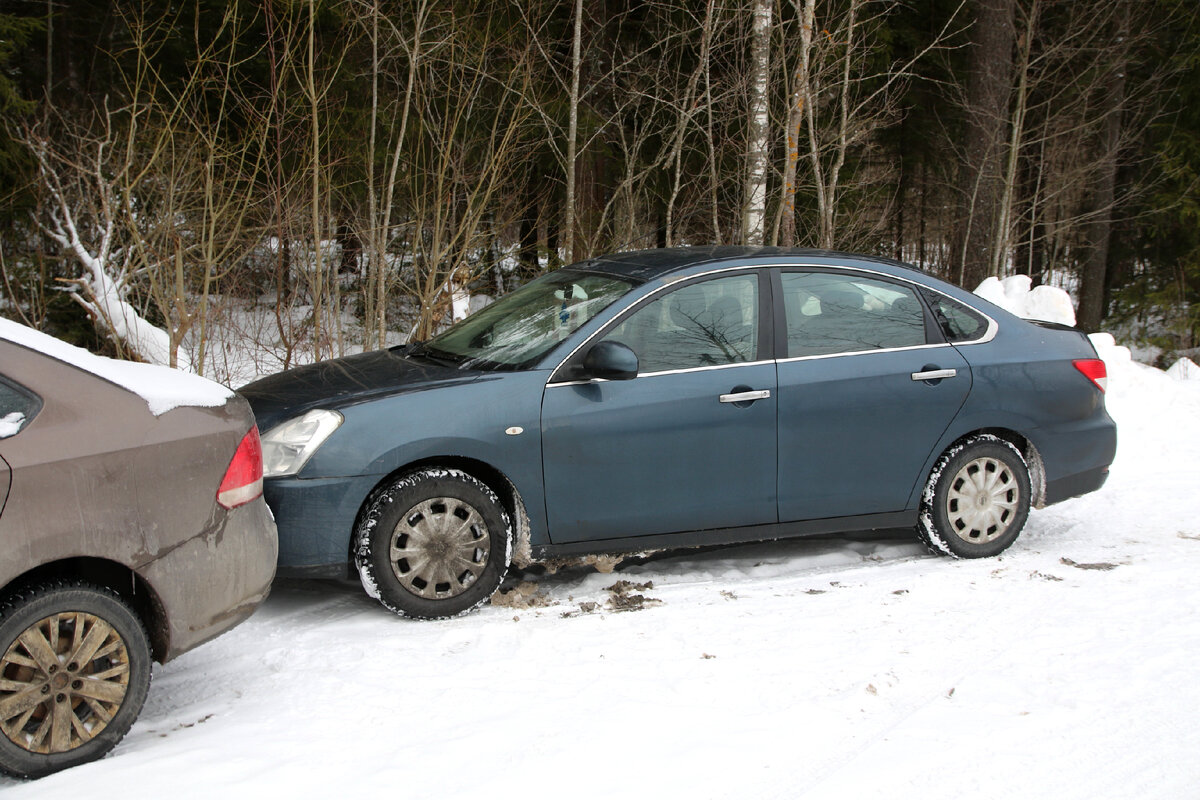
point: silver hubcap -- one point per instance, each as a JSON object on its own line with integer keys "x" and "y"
{"x": 982, "y": 500}
{"x": 439, "y": 548}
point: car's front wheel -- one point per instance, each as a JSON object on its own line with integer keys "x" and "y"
{"x": 977, "y": 499}
{"x": 434, "y": 543}
{"x": 74, "y": 672}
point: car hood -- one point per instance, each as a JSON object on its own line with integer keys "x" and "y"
{"x": 345, "y": 381}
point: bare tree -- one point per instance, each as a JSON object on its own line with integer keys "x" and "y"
{"x": 758, "y": 138}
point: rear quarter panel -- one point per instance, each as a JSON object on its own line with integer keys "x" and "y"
{"x": 1024, "y": 380}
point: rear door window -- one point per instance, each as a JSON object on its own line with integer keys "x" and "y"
{"x": 829, "y": 313}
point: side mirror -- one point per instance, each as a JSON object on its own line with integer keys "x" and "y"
{"x": 612, "y": 361}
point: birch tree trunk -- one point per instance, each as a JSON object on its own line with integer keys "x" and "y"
{"x": 758, "y": 141}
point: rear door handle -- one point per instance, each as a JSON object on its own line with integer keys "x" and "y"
{"x": 934, "y": 374}
{"x": 746, "y": 397}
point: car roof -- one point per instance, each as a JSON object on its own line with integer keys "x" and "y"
{"x": 646, "y": 265}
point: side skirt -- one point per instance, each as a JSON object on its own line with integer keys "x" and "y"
{"x": 716, "y": 536}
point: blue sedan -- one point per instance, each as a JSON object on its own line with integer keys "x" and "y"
{"x": 672, "y": 398}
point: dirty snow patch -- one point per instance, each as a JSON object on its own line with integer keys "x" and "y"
{"x": 162, "y": 388}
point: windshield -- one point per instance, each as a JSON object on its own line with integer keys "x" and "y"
{"x": 521, "y": 327}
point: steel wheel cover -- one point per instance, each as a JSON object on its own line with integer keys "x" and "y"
{"x": 439, "y": 548}
{"x": 61, "y": 682}
{"x": 982, "y": 500}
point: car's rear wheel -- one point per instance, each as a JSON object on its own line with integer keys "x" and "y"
{"x": 977, "y": 499}
{"x": 74, "y": 671}
{"x": 434, "y": 543}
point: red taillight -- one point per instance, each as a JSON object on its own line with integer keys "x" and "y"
{"x": 1094, "y": 370}
{"x": 243, "y": 480}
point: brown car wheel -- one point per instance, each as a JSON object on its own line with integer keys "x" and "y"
{"x": 74, "y": 672}
{"x": 435, "y": 543}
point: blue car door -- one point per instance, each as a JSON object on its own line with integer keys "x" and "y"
{"x": 865, "y": 391}
{"x": 690, "y": 443}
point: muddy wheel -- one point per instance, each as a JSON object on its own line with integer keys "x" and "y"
{"x": 433, "y": 544}
{"x": 74, "y": 671}
{"x": 977, "y": 499}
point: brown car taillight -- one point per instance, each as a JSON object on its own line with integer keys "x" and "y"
{"x": 243, "y": 480}
{"x": 1094, "y": 370}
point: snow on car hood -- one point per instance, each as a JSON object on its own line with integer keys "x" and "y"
{"x": 162, "y": 388}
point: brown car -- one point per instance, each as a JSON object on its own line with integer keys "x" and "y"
{"x": 125, "y": 536}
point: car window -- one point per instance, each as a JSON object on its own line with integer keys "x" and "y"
{"x": 699, "y": 325}
{"x": 832, "y": 313}
{"x": 17, "y": 408}
{"x": 958, "y": 323}
{"x": 521, "y": 327}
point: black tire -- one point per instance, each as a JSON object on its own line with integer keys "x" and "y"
{"x": 433, "y": 544}
{"x": 59, "y": 720}
{"x": 977, "y": 499}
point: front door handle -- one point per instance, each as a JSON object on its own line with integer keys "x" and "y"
{"x": 934, "y": 374}
{"x": 746, "y": 397}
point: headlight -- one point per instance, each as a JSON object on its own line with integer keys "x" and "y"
{"x": 288, "y": 446}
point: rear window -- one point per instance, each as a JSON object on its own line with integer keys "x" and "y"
{"x": 958, "y": 323}
{"x": 17, "y": 407}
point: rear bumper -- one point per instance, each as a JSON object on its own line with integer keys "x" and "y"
{"x": 214, "y": 581}
{"x": 1075, "y": 485}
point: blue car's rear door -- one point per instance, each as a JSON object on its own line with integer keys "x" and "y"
{"x": 864, "y": 394}
{"x": 689, "y": 444}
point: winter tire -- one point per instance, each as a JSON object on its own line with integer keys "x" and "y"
{"x": 976, "y": 500}
{"x": 74, "y": 672}
{"x": 433, "y": 544}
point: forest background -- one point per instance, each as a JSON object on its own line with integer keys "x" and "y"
{"x": 179, "y": 178}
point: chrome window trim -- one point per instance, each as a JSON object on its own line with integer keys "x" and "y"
{"x": 989, "y": 334}
{"x": 934, "y": 346}
{"x": 660, "y": 373}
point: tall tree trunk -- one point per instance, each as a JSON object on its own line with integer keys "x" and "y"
{"x": 573, "y": 131}
{"x": 758, "y": 142}
{"x": 1001, "y": 241}
{"x": 1098, "y": 230}
{"x": 989, "y": 84}
{"x": 796, "y": 113}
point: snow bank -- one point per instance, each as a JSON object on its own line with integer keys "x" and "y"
{"x": 1014, "y": 294}
{"x": 1184, "y": 370}
{"x": 162, "y": 388}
